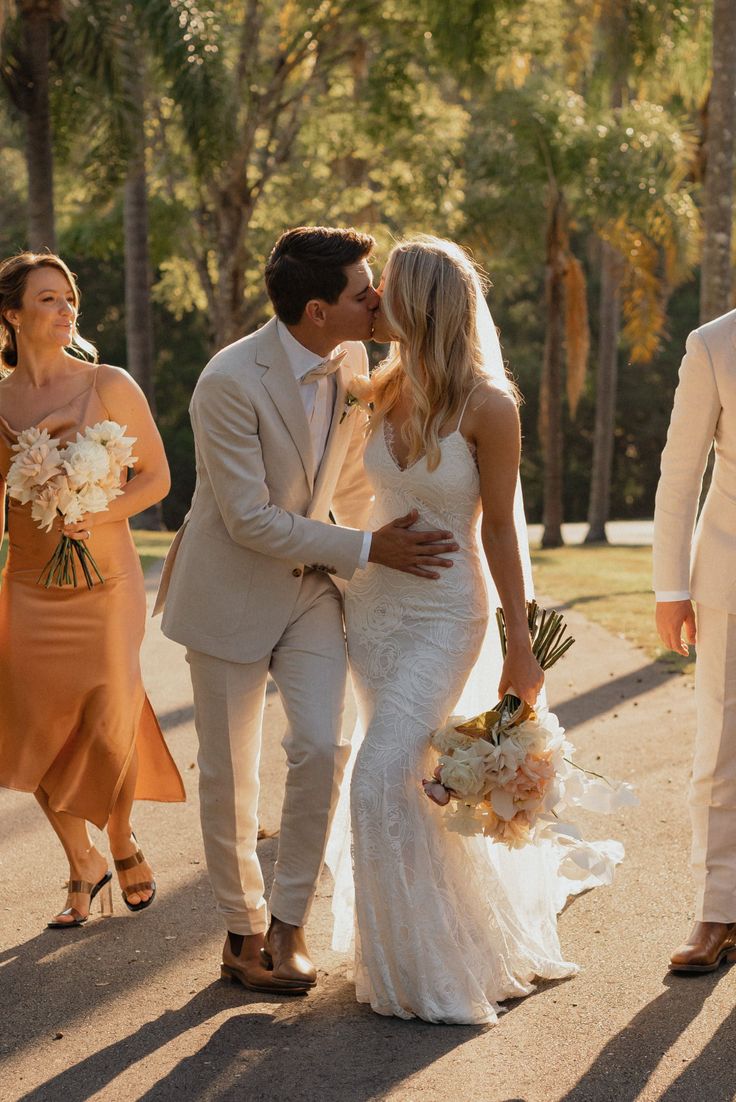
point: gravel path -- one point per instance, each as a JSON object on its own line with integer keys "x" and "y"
{"x": 131, "y": 1007}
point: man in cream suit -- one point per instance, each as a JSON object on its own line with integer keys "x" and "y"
{"x": 700, "y": 566}
{"x": 253, "y": 581}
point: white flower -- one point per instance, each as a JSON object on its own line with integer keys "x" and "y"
{"x": 71, "y": 507}
{"x": 32, "y": 436}
{"x": 92, "y": 499}
{"x": 540, "y": 733}
{"x": 112, "y": 437}
{"x": 45, "y": 505}
{"x": 35, "y": 464}
{"x": 504, "y": 760}
{"x": 447, "y": 738}
{"x": 464, "y": 773}
{"x": 85, "y": 461}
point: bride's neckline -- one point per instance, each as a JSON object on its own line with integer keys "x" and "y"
{"x": 389, "y": 438}
{"x": 64, "y": 405}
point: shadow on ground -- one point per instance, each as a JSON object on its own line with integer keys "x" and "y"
{"x": 324, "y": 1046}
{"x": 624, "y": 1067}
{"x": 333, "y": 1050}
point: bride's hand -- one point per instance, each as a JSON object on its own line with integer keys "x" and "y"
{"x": 521, "y": 674}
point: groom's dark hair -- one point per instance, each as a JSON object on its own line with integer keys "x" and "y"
{"x": 308, "y": 262}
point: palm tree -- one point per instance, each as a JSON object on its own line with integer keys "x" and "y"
{"x": 628, "y": 47}
{"x": 715, "y": 276}
{"x": 27, "y": 28}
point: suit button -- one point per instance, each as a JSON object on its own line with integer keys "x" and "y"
{"x": 297, "y": 573}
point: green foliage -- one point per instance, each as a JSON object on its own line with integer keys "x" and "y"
{"x": 459, "y": 119}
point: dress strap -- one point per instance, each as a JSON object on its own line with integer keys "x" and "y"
{"x": 465, "y": 404}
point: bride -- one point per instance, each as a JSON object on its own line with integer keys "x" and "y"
{"x": 446, "y": 926}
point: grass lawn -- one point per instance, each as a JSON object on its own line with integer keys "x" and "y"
{"x": 612, "y": 586}
{"x": 152, "y": 546}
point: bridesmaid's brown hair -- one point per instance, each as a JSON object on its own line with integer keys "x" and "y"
{"x": 14, "y": 274}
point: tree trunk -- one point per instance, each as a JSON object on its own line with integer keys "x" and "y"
{"x": 138, "y": 313}
{"x": 233, "y": 218}
{"x": 605, "y": 397}
{"x": 715, "y": 277}
{"x": 39, "y": 155}
{"x": 551, "y": 389}
{"x": 616, "y": 22}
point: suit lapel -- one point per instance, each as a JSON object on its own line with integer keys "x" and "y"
{"x": 283, "y": 388}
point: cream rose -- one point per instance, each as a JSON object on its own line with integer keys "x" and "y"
{"x": 448, "y": 738}
{"x": 463, "y": 773}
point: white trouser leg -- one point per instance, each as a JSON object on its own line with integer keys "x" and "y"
{"x": 309, "y": 666}
{"x": 228, "y": 712}
{"x": 713, "y": 786}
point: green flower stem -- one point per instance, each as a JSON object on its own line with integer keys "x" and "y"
{"x": 61, "y": 569}
{"x": 547, "y": 630}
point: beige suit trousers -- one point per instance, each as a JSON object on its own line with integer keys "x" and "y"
{"x": 309, "y": 667}
{"x": 713, "y": 786}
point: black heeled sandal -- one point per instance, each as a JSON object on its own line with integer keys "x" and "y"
{"x": 132, "y": 889}
{"x": 102, "y": 886}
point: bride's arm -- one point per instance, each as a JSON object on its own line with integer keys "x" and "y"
{"x": 492, "y": 423}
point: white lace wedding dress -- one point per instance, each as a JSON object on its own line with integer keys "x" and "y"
{"x": 447, "y": 926}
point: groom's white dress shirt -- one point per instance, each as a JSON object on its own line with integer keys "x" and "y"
{"x": 319, "y": 401}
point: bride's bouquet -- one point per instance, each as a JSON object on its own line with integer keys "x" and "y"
{"x": 82, "y": 477}
{"x": 508, "y": 772}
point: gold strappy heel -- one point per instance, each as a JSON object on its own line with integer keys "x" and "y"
{"x": 131, "y": 889}
{"x": 101, "y": 888}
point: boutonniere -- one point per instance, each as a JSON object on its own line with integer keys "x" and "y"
{"x": 360, "y": 393}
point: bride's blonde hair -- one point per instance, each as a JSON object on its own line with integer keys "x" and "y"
{"x": 430, "y": 301}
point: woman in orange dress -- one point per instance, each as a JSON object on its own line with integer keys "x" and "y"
{"x": 76, "y": 727}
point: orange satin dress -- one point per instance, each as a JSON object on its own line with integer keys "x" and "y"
{"x": 72, "y": 704}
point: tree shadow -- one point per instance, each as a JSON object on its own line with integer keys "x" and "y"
{"x": 590, "y": 598}
{"x": 601, "y": 698}
{"x": 176, "y": 717}
{"x": 624, "y": 1067}
{"x": 331, "y": 1049}
{"x": 79, "y": 972}
{"x": 711, "y": 1072}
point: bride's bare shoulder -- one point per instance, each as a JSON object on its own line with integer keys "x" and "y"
{"x": 490, "y": 409}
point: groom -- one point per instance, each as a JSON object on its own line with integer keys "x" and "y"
{"x": 700, "y": 566}
{"x": 252, "y": 584}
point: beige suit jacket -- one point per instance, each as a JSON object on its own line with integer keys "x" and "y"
{"x": 702, "y": 558}
{"x": 260, "y": 511}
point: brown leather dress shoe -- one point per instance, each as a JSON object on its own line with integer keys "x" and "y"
{"x": 286, "y": 954}
{"x": 248, "y": 969}
{"x": 709, "y": 944}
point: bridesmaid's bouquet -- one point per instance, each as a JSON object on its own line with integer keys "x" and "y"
{"x": 508, "y": 772}
{"x": 82, "y": 477}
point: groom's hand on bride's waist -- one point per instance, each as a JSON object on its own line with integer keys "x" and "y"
{"x": 397, "y": 546}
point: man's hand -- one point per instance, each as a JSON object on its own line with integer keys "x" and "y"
{"x": 676, "y": 625}
{"x": 396, "y": 546}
